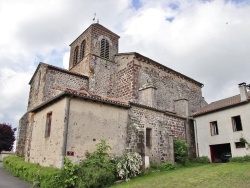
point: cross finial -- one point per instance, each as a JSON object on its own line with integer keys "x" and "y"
{"x": 94, "y": 17}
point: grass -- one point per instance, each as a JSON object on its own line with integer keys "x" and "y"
{"x": 229, "y": 175}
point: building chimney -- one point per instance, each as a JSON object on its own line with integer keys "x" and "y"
{"x": 243, "y": 92}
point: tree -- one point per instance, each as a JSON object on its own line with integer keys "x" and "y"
{"x": 7, "y": 137}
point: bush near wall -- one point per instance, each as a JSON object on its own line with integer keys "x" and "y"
{"x": 180, "y": 151}
{"x": 32, "y": 173}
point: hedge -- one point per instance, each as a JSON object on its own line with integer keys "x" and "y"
{"x": 32, "y": 173}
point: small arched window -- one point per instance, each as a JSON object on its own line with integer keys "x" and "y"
{"x": 104, "y": 48}
{"x": 83, "y": 49}
{"x": 75, "y": 61}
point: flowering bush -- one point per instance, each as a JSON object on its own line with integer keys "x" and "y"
{"x": 128, "y": 165}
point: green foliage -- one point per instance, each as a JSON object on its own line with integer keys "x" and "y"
{"x": 243, "y": 159}
{"x": 201, "y": 160}
{"x": 154, "y": 166}
{"x": 68, "y": 176}
{"x": 244, "y": 141}
{"x": 7, "y": 137}
{"x": 33, "y": 173}
{"x": 99, "y": 158}
{"x": 128, "y": 165}
{"x": 167, "y": 166}
{"x": 180, "y": 151}
{"x": 97, "y": 170}
{"x": 94, "y": 177}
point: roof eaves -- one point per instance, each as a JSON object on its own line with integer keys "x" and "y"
{"x": 105, "y": 101}
{"x": 65, "y": 93}
{"x": 44, "y": 104}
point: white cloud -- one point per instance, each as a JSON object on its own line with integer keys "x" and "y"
{"x": 206, "y": 40}
{"x": 66, "y": 60}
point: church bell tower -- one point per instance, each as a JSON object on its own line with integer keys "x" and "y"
{"x": 96, "y": 41}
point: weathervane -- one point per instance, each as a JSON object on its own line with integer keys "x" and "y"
{"x": 95, "y": 17}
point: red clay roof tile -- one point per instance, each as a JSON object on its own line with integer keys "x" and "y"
{"x": 224, "y": 103}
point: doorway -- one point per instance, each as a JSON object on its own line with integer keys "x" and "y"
{"x": 220, "y": 152}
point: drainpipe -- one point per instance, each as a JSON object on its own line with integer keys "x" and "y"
{"x": 196, "y": 139}
{"x": 65, "y": 130}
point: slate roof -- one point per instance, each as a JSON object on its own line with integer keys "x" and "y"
{"x": 221, "y": 104}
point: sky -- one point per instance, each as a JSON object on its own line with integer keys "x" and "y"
{"x": 206, "y": 40}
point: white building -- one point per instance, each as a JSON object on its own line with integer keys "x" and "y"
{"x": 223, "y": 125}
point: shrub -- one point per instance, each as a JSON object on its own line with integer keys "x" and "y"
{"x": 166, "y": 166}
{"x": 154, "y": 166}
{"x": 97, "y": 170}
{"x": 128, "y": 165}
{"x": 100, "y": 157}
{"x": 243, "y": 159}
{"x": 68, "y": 176}
{"x": 201, "y": 160}
{"x": 180, "y": 151}
{"x": 94, "y": 176}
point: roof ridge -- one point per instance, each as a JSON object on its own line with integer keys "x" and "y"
{"x": 224, "y": 99}
{"x": 220, "y": 104}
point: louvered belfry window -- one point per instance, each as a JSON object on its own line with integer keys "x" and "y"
{"x": 75, "y": 56}
{"x": 104, "y": 48}
{"x": 83, "y": 49}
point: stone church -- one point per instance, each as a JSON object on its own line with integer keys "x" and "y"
{"x": 127, "y": 99}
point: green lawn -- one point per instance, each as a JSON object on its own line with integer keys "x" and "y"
{"x": 226, "y": 175}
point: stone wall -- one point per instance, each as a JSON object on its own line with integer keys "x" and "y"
{"x": 101, "y": 81}
{"x": 29, "y": 136}
{"x": 99, "y": 33}
{"x": 191, "y": 139}
{"x": 57, "y": 81}
{"x": 86, "y": 35}
{"x": 170, "y": 86}
{"x": 21, "y": 135}
{"x": 37, "y": 86}
{"x": 48, "y": 82}
{"x": 126, "y": 80}
{"x": 83, "y": 67}
{"x": 164, "y": 128}
{"x": 135, "y": 72}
